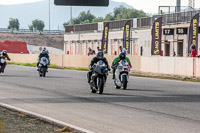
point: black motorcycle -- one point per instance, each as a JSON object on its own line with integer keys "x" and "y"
{"x": 43, "y": 66}
{"x": 98, "y": 78}
{"x": 2, "y": 64}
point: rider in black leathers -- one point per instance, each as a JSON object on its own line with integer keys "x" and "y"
{"x": 100, "y": 56}
{"x": 43, "y": 54}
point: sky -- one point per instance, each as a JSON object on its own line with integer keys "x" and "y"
{"x": 10, "y": 2}
{"x": 148, "y": 6}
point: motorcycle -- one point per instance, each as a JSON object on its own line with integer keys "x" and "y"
{"x": 43, "y": 66}
{"x": 98, "y": 78}
{"x": 2, "y": 64}
{"x": 122, "y": 74}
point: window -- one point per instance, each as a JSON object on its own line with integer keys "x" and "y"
{"x": 135, "y": 40}
{"x": 145, "y": 43}
{"x": 149, "y": 43}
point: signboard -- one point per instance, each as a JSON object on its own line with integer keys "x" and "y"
{"x": 193, "y": 32}
{"x": 126, "y": 36}
{"x": 82, "y": 2}
{"x": 156, "y": 37}
{"x": 104, "y": 45}
{"x": 181, "y": 31}
{"x": 168, "y": 31}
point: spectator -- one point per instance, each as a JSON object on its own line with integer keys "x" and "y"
{"x": 123, "y": 50}
{"x": 91, "y": 52}
{"x": 174, "y": 53}
{"x": 98, "y": 49}
{"x": 193, "y": 51}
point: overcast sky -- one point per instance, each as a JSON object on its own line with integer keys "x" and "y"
{"x": 149, "y": 6}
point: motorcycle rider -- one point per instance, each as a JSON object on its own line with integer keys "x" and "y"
{"x": 99, "y": 56}
{"x": 122, "y": 56}
{"x": 43, "y": 54}
{"x": 4, "y": 55}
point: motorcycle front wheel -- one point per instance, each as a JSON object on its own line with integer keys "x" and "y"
{"x": 124, "y": 82}
{"x": 101, "y": 85}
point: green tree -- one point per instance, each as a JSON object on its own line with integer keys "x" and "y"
{"x": 84, "y": 17}
{"x": 37, "y": 25}
{"x": 99, "y": 19}
{"x": 122, "y": 12}
{"x": 109, "y": 17}
{"x": 118, "y": 13}
{"x": 13, "y": 24}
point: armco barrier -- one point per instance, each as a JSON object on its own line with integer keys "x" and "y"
{"x": 183, "y": 66}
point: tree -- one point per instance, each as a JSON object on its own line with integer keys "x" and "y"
{"x": 118, "y": 13}
{"x": 122, "y": 12}
{"x": 99, "y": 19}
{"x": 84, "y": 17}
{"x": 37, "y": 25}
{"x": 13, "y": 24}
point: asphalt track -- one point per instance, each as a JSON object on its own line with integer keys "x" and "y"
{"x": 147, "y": 106}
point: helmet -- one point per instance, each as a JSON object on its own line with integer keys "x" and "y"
{"x": 122, "y": 56}
{"x": 4, "y": 52}
{"x": 44, "y": 51}
{"x": 100, "y": 55}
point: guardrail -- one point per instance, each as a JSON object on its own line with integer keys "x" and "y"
{"x": 27, "y": 31}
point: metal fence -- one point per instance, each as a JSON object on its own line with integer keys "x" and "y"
{"x": 147, "y": 22}
{"x": 27, "y": 31}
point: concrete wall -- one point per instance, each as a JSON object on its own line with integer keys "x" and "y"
{"x": 182, "y": 66}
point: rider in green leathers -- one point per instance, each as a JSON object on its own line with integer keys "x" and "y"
{"x": 122, "y": 56}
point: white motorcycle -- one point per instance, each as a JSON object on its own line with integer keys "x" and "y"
{"x": 43, "y": 66}
{"x": 122, "y": 74}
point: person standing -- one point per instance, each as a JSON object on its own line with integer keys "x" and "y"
{"x": 91, "y": 52}
{"x": 193, "y": 51}
{"x": 123, "y": 50}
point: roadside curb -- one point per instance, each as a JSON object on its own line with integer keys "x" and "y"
{"x": 46, "y": 119}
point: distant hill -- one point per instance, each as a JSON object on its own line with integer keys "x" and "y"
{"x": 40, "y": 10}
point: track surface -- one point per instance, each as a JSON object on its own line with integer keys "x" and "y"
{"x": 148, "y": 106}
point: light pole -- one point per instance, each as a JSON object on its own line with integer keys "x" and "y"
{"x": 71, "y": 15}
{"x": 49, "y": 15}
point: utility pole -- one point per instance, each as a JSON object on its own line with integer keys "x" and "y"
{"x": 49, "y": 15}
{"x": 178, "y": 5}
{"x": 71, "y": 15}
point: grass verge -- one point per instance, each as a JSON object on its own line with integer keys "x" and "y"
{"x": 16, "y": 122}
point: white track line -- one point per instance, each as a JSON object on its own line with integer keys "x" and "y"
{"x": 45, "y": 118}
